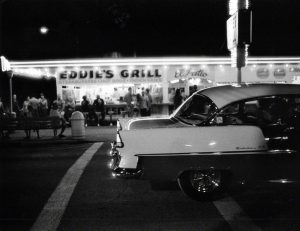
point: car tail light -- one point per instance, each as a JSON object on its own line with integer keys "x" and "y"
{"x": 119, "y": 142}
{"x": 119, "y": 126}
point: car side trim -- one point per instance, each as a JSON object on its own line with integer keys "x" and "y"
{"x": 262, "y": 152}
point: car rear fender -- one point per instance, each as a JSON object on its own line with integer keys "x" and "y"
{"x": 187, "y": 141}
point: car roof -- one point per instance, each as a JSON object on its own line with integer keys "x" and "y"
{"x": 224, "y": 95}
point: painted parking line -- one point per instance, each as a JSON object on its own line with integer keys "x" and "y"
{"x": 55, "y": 207}
{"x": 235, "y": 216}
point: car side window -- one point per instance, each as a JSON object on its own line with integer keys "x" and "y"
{"x": 231, "y": 114}
{"x": 258, "y": 112}
{"x": 264, "y": 111}
{"x": 294, "y": 112}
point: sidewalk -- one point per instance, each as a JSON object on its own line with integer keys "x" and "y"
{"x": 92, "y": 134}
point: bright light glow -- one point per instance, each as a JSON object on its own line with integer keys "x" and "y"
{"x": 44, "y": 30}
{"x": 235, "y": 5}
{"x": 282, "y": 181}
{"x": 149, "y": 61}
{"x": 212, "y": 143}
{"x": 130, "y": 68}
{"x": 165, "y": 66}
{"x": 110, "y": 164}
{"x": 5, "y": 65}
{"x": 174, "y": 81}
{"x": 29, "y": 72}
{"x": 186, "y": 67}
{"x": 246, "y": 54}
{"x": 194, "y": 81}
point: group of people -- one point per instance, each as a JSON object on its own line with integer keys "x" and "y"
{"x": 136, "y": 105}
{"x": 178, "y": 96}
{"x": 139, "y": 104}
{"x": 95, "y": 110}
{"x": 31, "y": 107}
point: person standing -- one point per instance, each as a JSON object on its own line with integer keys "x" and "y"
{"x": 33, "y": 107}
{"x": 171, "y": 100}
{"x": 149, "y": 102}
{"x": 177, "y": 99}
{"x": 193, "y": 89}
{"x": 183, "y": 95}
{"x": 43, "y": 105}
{"x": 16, "y": 107}
{"x": 85, "y": 108}
{"x": 128, "y": 100}
{"x": 25, "y": 106}
{"x": 145, "y": 103}
{"x": 54, "y": 112}
{"x": 99, "y": 108}
{"x": 2, "y": 111}
{"x": 69, "y": 108}
{"x": 27, "y": 113}
{"x": 115, "y": 96}
{"x": 137, "y": 105}
{"x": 60, "y": 104}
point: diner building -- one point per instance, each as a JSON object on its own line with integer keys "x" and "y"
{"x": 111, "y": 78}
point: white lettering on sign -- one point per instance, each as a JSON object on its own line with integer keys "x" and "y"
{"x": 279, "y": 73}
{"x": 109, "y": 76}
{"x": 183, "y": 73}
{"x": 262, "y": 73}
{"x": 294, "y": 69}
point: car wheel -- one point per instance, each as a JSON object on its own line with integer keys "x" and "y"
{"x": 203, "y": 184}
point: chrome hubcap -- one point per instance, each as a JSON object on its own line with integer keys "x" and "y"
{"x": 205, "y": 181}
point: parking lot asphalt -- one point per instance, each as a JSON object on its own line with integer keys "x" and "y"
{"x": 92, "y": 134}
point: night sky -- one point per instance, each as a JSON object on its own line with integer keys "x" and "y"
{"x": 141, "y": 28}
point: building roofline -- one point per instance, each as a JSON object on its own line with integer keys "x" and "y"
{"x": 149, "y": 61}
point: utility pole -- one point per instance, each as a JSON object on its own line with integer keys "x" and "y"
{"x": 6, "y": 69}
{"x": 239, "y": 34}
{"x": 1, "y": 20}
{"x": 10, "y": 75}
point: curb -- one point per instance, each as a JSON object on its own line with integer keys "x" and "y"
{"x": 18, "y": 143}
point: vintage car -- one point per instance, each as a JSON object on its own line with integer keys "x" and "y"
{"x": 219, "y": 136}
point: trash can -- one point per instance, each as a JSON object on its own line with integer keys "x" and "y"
{"x": 77, "y": 125}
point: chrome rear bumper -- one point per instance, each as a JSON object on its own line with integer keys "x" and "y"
{"x": 127, "y": 173}
{"x": 114, "y": 165}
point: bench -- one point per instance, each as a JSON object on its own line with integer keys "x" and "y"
{"x": 28, "y": 124}
{"x": 8, "y": 124}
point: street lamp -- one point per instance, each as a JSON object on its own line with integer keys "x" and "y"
{"x": 44, "y": 30}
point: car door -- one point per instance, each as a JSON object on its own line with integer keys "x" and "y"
{"x": 279, "y": 119}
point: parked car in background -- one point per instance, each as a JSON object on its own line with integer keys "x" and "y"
{"x": 219, "y": 136}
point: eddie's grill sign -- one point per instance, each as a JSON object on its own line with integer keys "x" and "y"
{"x": 109, "y": 74}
